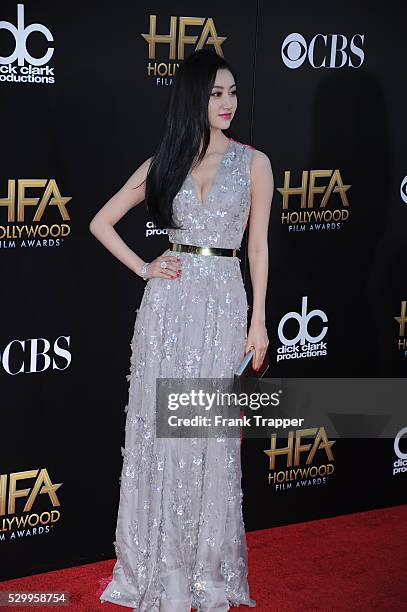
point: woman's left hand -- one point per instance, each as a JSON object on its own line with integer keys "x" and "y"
{"x": 257, "y": 338}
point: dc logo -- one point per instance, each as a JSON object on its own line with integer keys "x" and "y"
{"x": 303, "y": 320}
{"x": 403, "y": 190}
{"x": 397, "y": 450}
{"x": 21, "y": 34}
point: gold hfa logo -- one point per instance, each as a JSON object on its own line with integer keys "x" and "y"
{"x": 17, "y": 200}
{"x": 25, "y": 213}
{"x": 295, "y": 448}
{"x": 309, "y": 475}
{"x": 309, "y": 189}
{"x": 42, "y": 485}
{"x": 402, "y": 321}
{"x": 309, "y": 210}
{"x": 17, "y": 520}
{"x": 176, "y": 40}
{"x": 177, "y": 37}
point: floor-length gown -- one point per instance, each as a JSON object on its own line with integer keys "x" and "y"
{"x": 180, "y": 525}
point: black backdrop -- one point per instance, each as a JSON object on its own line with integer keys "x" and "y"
{"x": 321, "y": 87}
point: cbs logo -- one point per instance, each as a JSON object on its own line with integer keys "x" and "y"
{"x": 35, "y": 352}
{"x": 403, "y": 190}
{"x": 328, "y": 47}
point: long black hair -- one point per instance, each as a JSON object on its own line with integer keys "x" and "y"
{"x": 186, "y": 129}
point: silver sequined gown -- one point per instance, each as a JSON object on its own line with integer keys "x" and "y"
{"x": 180, "y": 525}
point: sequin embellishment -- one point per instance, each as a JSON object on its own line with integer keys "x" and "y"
{"x": 180, "y": 524}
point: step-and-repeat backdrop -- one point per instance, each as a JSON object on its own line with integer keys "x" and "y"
{"x": 321, "y": 90}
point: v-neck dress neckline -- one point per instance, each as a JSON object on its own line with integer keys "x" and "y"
{"x": 215, "y": 178}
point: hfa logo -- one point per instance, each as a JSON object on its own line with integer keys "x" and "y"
{"x": 402, "y": 321}
{"x": 175, "y": 42}
{"x": 25, "y": 220}
{"x": 329, "y": 214}
{"x": 400, "y": 465}
{"x": 35, "y": 71}
{"x": 16, "y": 523}
{"x": 302, "y": 345}
{"x": 296, "y": 476}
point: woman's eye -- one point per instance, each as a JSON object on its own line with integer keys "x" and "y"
{"x": 217, "y": 93}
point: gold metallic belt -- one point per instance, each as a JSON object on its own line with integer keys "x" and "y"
{"x": 191, "y": 248}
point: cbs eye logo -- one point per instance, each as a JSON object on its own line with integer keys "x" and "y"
{"x": 403, "y": 190}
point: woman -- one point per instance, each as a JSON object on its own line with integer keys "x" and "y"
{"x": 180, "y": 539}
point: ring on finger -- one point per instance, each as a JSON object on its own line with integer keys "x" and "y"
{"x": 163, "y": 264}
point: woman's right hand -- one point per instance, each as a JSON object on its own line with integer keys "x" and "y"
{"x": 172, "y": 271}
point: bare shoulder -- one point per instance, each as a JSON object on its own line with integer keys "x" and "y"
{"x": 260, "y": 161}
{"x": 260, "y": 164}
{"x": 261, "y": 172}
{"x": 140, "y": 174}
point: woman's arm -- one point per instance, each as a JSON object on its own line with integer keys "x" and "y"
{"x": 101, "y": 226}
{"x": 262, "y": 182}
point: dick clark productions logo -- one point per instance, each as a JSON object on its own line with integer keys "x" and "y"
{"x": 36, "y": 71}
{"x": 302, "y": 345}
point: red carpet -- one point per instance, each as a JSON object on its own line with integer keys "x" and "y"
{"x": 355, "y": 563}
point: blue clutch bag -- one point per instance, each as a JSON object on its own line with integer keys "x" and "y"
{"x": 245, "y": 368}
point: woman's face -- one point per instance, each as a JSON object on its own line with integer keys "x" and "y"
{"x": 222, "y": 101}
